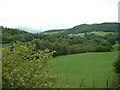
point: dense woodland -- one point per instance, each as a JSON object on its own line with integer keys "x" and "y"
{"x": 64, "y": 44}
{"x": 48, "y": 45}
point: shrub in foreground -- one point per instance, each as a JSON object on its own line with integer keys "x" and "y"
{"x": 23, "y": 67}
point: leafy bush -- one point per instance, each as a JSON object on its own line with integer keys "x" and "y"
{"x": 23, "y": 67}
{"x": 117, "y": 65}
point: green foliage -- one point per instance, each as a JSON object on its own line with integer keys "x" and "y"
{"x": 116, "y": 47}
{"x": 72, "y": 46}
{"x": 11, "y": 35}
{"x": 117, "y": 65}
{"x": 23, "y": 67}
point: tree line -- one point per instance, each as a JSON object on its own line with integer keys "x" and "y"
{"x": 63, "y": 45}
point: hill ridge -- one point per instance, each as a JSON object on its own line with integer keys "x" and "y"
{"x": 83, "y": 28}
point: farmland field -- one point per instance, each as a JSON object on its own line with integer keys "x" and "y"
{"x": 86, "y": 67}
{"x": 93, "y": 32}
{"x": 101, "y": 33}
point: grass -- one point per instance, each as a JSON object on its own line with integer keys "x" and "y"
{"x": 101, "y": 33}
{"x": 86, "y": 67}
{"x": 80, "y": 34}
{"x": 93, "y": 32}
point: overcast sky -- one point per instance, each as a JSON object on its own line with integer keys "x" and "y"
{"x": 56, "y": 14}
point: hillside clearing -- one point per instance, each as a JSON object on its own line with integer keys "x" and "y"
{"x": 93, "y": 32}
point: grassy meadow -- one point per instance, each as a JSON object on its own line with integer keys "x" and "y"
{"x": 85, "y": 69}
{"x": 93, "y": 32}
{"x": 101, "y": 33}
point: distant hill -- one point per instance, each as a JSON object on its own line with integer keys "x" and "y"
{"x": 11, "y": 35}
{"x": 56, "y": 30}
{"x": 85, "y": 28}
{"x": 28, "y": 29}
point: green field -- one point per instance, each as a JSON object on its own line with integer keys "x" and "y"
{"x": 101, "y": 33}
{"x": 93, "y": 32}
{"x": 85, "y": 67}
{"x": 80, "y": 34}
